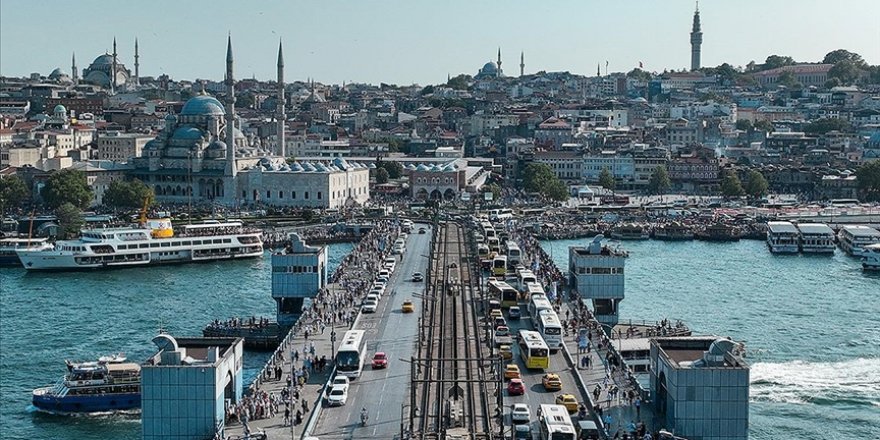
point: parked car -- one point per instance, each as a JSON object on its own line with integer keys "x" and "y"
{"x": 370, "y": 305}
{"x": 515, "y": 387}
{"x": 338, "y": 395}
{"x": 341, "y": 381}
{"x": 380, "y": 360}
{"x": 519, "y": 413}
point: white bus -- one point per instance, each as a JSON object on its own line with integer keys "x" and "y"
{"x": 500, "y": 214}
{"x": 523, "y": 278}
{"x": 494, "y": 244}
{"x": 499, "y": 265}
{"x": 550, "y": 329}
{"x": 351, "y": 353}
{"x": 513, "y": 252}
{"x": 555, "y": 423}
{"x": 534, "y": 289}
{"x": 537, "y": 304}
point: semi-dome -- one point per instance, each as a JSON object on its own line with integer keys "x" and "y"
{"x": 203, "y": 105}
{"x": 187, "y": 133}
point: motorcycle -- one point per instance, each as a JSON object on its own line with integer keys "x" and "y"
{"x": 364, "y": 418}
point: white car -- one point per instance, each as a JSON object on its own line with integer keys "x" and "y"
{"x": 382, "y": 278}
{"x": 519, "y": 413}
{"x": 370, "y": 305}
{"x": 341, "y": 381}
{"x": 338, "y": 395}
{"x": 378, "y": 291}
{"x": 390, "y": 263}
{"x": 385, "y": 273}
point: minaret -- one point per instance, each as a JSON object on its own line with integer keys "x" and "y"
{"x": 522, "y": 63}
{"x": 230, "y": 114}
{"x": 598, "y": 69}
{"x": 499, "y": 61}
{"x": 282, "y": 117}
{"x": 113, "y": 70}
{"x": 73, "y": 72}
{"x": 696, "y": 40}
{"x": 137, "y": 65}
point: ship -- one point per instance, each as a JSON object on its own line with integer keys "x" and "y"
{"x": 630, "y": 232}
{"x": 109, "y": 385}
{"x": 153, "y": 242}
{"x": 720, "y": 232}
{"x": 674, "y": 231}
{"x": 871, "y": 258}
{"x": 8, "y": 246}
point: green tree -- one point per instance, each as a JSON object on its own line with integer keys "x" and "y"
{"x": 395, "y": 169}
{"x": 459, "y": 82}
{"x": 836, "y": 56}
{"x": 756, "y": 185}
{"x": 824, "y": 125}
{"x": 121, "y": 194}
{"x": 787, "y": 79}
{"x": 70, "y": 219}
{"x": 731, "y": 186}
{"x": 67, "y": 186}
{"x": 639, "y": 75}
{"x": 381, "y": 175}
{"x": 557, "y": 191}
{"x": 868, "y": 177}
{"x": 774, "y": 61}
{"x": 13, "y": 191}
{"x": 537, "y": 176}
{"x": 659, "y": 182}
{"x": 764, "y": 125}
{"x": 743, "y": 124}
{"x": 245, "y": 100}
{"x": 846, "y": 72}
{"x": 495, "y": 189}
{"x": 606, "y": 180}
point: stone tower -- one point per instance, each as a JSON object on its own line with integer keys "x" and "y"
{"x": 696, "y": 40}
{"x": 282, "y": 117}
{"x": 499, "y": 61}
{"x": 231, "y": 169}
{"x": 113, "y": 85}
{"x": 137, "y": 65}
{"x": 74, "y": 73}
{"x": 522, "y": 63}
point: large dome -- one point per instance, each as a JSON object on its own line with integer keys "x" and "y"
{"x": 203, "y": 105}
{"x": 187, "y": 133}
{"x": 489, "y": 68}
{"x": 105, "y": 59}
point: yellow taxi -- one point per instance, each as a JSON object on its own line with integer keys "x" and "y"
{"x": 551, "y": 382}
{"x": 568, "y": 401}
{"x": 408, "y": 307}
{"x": 496, "y": 314}
{"x": 505, "y": 351}
{"x": 512, "y": 372}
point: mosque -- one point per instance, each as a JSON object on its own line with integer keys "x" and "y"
{"x": 201, "y": 156}
{"x": 491, "y": 69}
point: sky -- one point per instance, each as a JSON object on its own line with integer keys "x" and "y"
{"x": 406, "y": 42}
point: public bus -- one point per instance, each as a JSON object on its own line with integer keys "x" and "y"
{"x": 503, "y": 292}
{"x": 550, "y": 329}
{"x": 523, "y": 278}
{"x": 555, "y": 423}
{"x": 482, "y": 251}
{"x": 499, "y": 265}
{"x": 534, "y": 289}
{"x": 533, "y": 350}
{"x": 489, "y": 231}
{"x": 514, "y": 254}
{"x": 500, "y": 214}
{"x": 494, "y": 244}
{"x": 537, "y": 304}
{"x": 351, "y": 354}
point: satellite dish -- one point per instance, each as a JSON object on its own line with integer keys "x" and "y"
{"x": 165, "y": 343}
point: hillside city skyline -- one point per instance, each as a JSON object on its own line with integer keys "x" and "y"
{"x": 658, "y": 40}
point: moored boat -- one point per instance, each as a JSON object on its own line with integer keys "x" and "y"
{"x": 8, "y": 246}
{"x": 674, "y": 231}
{"x": 630, "y": 231}
{"x": 110, "y": 384}
{"x": 719, "y": 232}
{"x": 871, "y": 258}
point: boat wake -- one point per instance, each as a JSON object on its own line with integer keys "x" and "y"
{"x": 124, "y": 414}
{"x": 849, "y": 383}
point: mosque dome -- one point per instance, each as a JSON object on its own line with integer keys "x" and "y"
{"x": 59, "y": 109}
{"x": 152, "y": 145}
{"x": 187, "y": 133}
{"x": 57, "y": 73}
{"x": 217, "y": 145}
{"x": 489, "y": 69}
{"x": 105, "y": 60}
{"x": 203, "y": 105}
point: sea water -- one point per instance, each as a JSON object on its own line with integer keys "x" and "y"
{"x": 811, "y": 325}
{"x": 46, "y": 318}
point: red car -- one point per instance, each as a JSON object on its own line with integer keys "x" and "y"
{"x": 515, "y": 387}
{"x": 380, "y": 360}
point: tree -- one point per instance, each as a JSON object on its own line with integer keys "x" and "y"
{"x": 639, "y": 75}
{"x": 121, "y": 194}
{"x": 495, "y": 189}
{"x": 67, "y": 186}
{"x": 787, "y": 79}
{"x": 659, "y": 182}
{"x": 557, "y": 191}
{"x": 13, "y": 191}
{"x": 756, "y": 186}
{"x": 381, "y": 175}
{"x": 459, "y": 82}
{"x": 836, "y": 56}
{"x": 731, "y": 186}
{"x": 606, "y": 180}
{"x": 764, "y": 125}
{"x": 394, "y": 169}
{"x": 743, "y": 124}
{"x": 868, "y": 177}
{"x": 70, "y": 219}
{"x": 537, "y": 176}
{"x": 846, "y": 72}
{"x": 427, "y": 90}
{"x": 775, "y": 61}
{"x": 824, "y": 125}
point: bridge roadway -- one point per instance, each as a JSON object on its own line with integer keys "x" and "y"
{"x": 383, "y": 391}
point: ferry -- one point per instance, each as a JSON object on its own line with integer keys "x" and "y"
{"x": 816, "y": 238}
{"x": 854, "y": 238}
{"x": 674, "y": 231}
{"x": 8, "y": 246}
{"x": 110, "y": 384}
{"x": 630, "y": 232}
{"x": 871, "y": 260}
{"x": 153, "y": 243}
{"x": 720, "y": 232}
{"x": 782, "y": 238}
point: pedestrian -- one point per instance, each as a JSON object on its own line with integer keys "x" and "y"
{"x": 638, "y": 408}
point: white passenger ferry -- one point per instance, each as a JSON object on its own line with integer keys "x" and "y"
{"x": 854, "y": 238}
{"x": 782, "y": 237}
{"x": 871, "y": 260}
{"x": 153, "y": 243}
{"x": 816, "y": 238}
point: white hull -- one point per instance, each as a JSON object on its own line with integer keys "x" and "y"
{"x": 819, "y": 249}
{"x": 783, "y": 248}
{"x": 58, "y": 261}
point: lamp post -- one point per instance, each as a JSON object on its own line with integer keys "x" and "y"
{"x": 333, "y": 345}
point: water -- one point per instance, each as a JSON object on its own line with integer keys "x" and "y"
{"x": 811, "y": 326}
{"x": 46, "y": 318}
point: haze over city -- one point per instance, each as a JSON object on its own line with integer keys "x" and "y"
{"x": 402, "y": 42}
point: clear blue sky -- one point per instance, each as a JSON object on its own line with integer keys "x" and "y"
{"x": 407, "y": 42}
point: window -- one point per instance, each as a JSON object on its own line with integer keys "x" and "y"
{"x": 307, "y": 195}
{"x": 319, "y": 195}
{"x": 280, "y": 194}
{"x": 268, "y": 194}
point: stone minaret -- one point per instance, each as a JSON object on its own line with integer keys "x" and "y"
{"x": 696, "y": 40}
{"x": 522, "y": 63}
{"x": 231, "y": 169}
{"x": 282, "y": 117}
{"x": 499, "y": 61}
{"x": 137, "y": 65}
{"x": 113, "y": 84}
{"x": 74, "y": 73}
